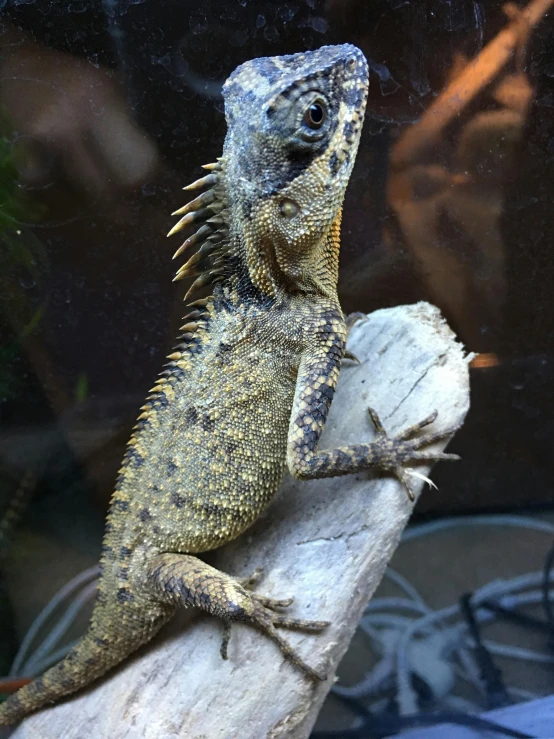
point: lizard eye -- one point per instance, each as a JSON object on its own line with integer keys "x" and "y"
{"x": 315, "y": 114}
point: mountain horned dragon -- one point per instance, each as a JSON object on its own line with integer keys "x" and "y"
{"x": 247, "y": 390}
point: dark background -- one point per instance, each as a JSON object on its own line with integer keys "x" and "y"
{"x": 87, "y": 307}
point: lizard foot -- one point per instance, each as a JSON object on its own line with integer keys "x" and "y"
{"x": 184, "y": 580}
{"x": 398, "y": 451}
{"x": 265, "y": 616}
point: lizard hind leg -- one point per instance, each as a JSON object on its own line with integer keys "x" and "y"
{"x": 184, "y": 580}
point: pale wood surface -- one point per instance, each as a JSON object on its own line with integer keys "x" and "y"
{"x": 327, "y": 542}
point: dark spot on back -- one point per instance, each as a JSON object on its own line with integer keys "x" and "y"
{"x": 222, "y": 512}
{"x": 124, "y": 595}
{"x": 354, "y": 97}
{"x": 120, "y": 505}
{"x": 133, "y": 456}
{"x": 231, "y": 447}
{"x": 177, "y": 500}
{"x": 267, "y": 68}
{"x": 144, "y": 515}
{"x": 124, "y": 552}
{"x": 208, "y": 424}
{"x": 334, "y": 164}
{"x": 348, "y": 130}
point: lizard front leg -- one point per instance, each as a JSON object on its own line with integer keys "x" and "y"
{"x": 184, "y": 580}
{"x": 316, "y": 382}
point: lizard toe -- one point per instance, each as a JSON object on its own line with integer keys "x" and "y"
{"x": 252, "y": 579}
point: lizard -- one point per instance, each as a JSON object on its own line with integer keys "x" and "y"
{"x": 247, "y": 391}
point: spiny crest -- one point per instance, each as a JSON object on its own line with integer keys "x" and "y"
{"x": 189, "y": 343}
{"x": 210, "y": 213}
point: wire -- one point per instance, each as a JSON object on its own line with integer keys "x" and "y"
{"x": 406, "y": 586}
{"x": 512, "y": 616}
{"x": 44, "y": 615}
{"x": 39, "y": 666}
{"x": 393, "y": 675}
{"x": 84, "y": 597}
{"x": 497, "y": 696}
{"x": 433, "y": 527}
{"x": 412, "y": 617}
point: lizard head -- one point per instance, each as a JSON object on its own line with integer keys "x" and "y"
{"x": 294, "y": 125}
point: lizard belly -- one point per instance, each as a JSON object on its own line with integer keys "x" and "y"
{"x": 220, "y": 460}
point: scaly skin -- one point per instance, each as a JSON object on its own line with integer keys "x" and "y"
{"x": 248, "y": 389}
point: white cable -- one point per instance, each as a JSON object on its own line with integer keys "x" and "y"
{"x": 41, "y": 665}
{"x": 406, "y": 586}
{"x": 508, "y": 650}
{"x": 406, "y": 697}
{"x": 402, "y": 604}
{"x": 387, "y": 619}
{"x": 463, "y": 654}
{"x": 370, "y": 682}
{"x": 86, "y": 595}
{"x": 384, "y": 612}
{"x": 46, "y": 612}
{"x": 524, "y": 522}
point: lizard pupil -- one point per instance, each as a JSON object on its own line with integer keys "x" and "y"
{"x": 315, "y": 115}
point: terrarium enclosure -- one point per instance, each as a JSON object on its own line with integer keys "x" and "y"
{"x": 108, "y": 108}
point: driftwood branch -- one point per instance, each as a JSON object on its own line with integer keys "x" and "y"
{"x": 327, "y": 542}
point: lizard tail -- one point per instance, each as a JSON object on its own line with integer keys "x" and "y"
{"x": 89, "y": 659}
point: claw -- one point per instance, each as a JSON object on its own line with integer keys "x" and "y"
{"x": 273, "y": 603}
{"x": 250, "y": 580}
{"x": 225, "y": 641}
{"x": 379, "y": 428}
{"x": 290, "y": 653}
{"x": 266, "y": 620}
{"x": 407, "y": 448}
{"x": 426, "y": 479}
{"x": 434, "y": 457}
{"x": 402, "y": 476}
{"x": 415, "y": 427}
{"x": 300, "y": 623}
{"x": 433, "y": 438}
{"x": 352, "y": 357}
{"x": 262, "y": 614}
